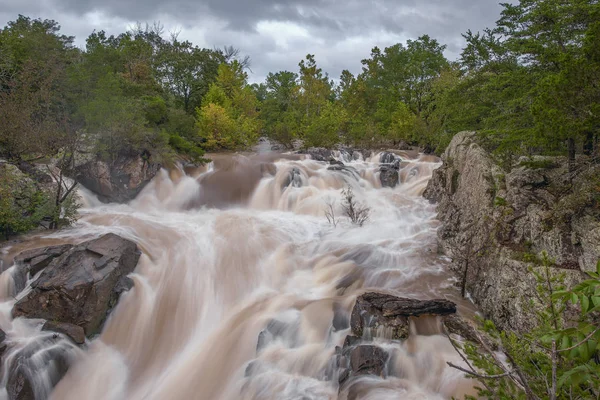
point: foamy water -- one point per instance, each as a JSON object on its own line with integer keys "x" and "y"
{"x": 232, "y": 248}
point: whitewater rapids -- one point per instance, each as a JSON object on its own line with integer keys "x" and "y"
{"x": 229, "y": 248}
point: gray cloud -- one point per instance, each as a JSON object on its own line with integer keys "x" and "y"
{"x": 276, "y": 33}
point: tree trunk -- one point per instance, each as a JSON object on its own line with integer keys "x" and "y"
{"x": 588, "y": 144}
{"x": 571, "y": 153}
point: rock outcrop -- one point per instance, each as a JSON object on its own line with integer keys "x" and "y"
{"x": 389, "y": 168}
{"x": 497, "y": 223}
{"x": 380, "y": 314}
{"x": 81, "y": 285}
{"x": 117, "y": 182}
{"x": 77, "y": 288}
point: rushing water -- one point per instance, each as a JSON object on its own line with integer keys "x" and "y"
{"x": 228, "y": 250}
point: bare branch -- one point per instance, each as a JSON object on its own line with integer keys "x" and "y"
{"x": 479, "y": 375}
{"x": 554, "y": 365}
{"x": 330, "y": 214}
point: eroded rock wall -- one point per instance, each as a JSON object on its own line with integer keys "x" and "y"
{"x": 500, "y": 221}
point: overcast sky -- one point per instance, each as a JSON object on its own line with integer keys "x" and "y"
{"x": 277, "y": 34}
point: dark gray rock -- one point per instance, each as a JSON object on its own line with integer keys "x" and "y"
{"x": 387, "y": 158}
{"x": 294, "y": 179}
{"x": 388, "y": 175}
{"x": 380, "y": 314}
{"x": 36, "y": 368}
{"x": 318, "y": 153}
{"x": 79, "y": 286}
{"x": 40, "y": 258}
{"x": 368, "y": 360}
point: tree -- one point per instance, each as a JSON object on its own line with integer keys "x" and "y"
{"x": 187, "y": 71}
{"x": 33, "y": 88}
{"x": 228, "y": 117}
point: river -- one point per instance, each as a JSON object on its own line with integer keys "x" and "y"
{"x": 233, "y": 247}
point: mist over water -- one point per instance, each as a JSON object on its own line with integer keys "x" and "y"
{"x": 241, "y": 245}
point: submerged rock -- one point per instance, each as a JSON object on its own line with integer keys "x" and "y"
{"x": 118, "y": 182}
{"x": 388, "y": 175}
{"x": 78, "y": 287}
{"x": 380, "y": 314}
{"x": 37, "y": 368}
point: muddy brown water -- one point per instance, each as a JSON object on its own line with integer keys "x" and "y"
{"x": 233, "y": 246}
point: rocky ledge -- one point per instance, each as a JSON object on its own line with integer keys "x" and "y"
{"x": 75, "y": 290}
{"x": 496, "y": 223}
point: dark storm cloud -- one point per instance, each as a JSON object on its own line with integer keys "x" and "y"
{"x": 277, "y": 34}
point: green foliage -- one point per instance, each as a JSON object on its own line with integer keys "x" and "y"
{"x": 186, "y": 147}
{"x": 228, "y": 118}
{"x": 323, "y": 129}
{"x": 22, "y": 205}
{"x": 557, "y": 358}
{"x": 538, "y": 164}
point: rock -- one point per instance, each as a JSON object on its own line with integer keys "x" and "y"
{"x": 74, "y": 332}
{"x": 458, "y": 326}
{"x": 118, "y": 182}
{"x": 340, "y": 318}
{"x": 368, "y": 360}
{"x": 79, "y": 286}
{"x": 294, "y": 179}
{"x": 514, "y": 215}
{"x": 18, "y": 386}
{"x": 403, "y": 146}
{"x": 380, "y": 314}
{"x": 37, "y": 368}
{"x": 387, "y": 158}
{"x": 276, "y": 329}
{"x": 40, "y": 258}
{"x": 35, "y": 173}
{"x": 359, "y": 361}
{"x": 346, "y": 170}
{"x": 388, "y": 174}
{"x": 318, "y": 153}
{"x": 351, "y": 341}
{"x": 3, "y": 344}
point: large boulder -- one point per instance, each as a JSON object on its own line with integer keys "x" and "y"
{"x": 81, "y": 286}
{"x": 30, "y": 262}
{"x": 117, "y": 182}
{"x": 384, "y": 315}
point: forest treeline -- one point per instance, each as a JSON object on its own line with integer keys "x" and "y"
{"x": 530, "y": 85}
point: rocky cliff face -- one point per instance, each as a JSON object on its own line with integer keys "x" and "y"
{"x": 497, "y": 223}
{"x": 118, "y": 182}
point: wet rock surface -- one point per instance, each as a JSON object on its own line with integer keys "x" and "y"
{"x": 388, "y": 170}
{"x": 73, "y": 332}
{"x": 78, "y": 287}
{"x": 118, "y": 182}
{"x": 380, "y": 314}
{"x": 37, "y": 368}
{"x": 30, "y": 262}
